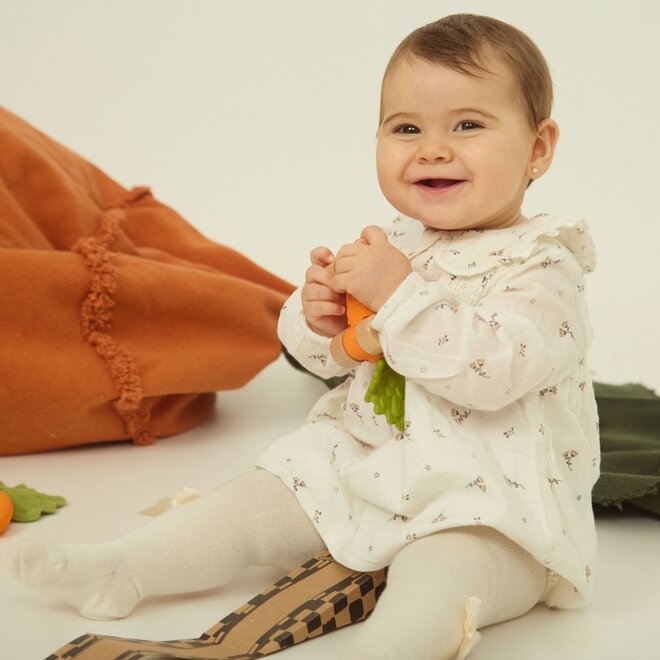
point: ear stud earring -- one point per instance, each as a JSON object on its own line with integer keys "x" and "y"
{"x": 535, "y": 170}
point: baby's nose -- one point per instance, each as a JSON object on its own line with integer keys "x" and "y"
{"x": 433, "y": 149}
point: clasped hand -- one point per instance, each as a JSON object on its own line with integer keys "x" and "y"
{"x": 370, "y": 269}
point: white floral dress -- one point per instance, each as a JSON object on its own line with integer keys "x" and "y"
{"x": 491, "y": 333}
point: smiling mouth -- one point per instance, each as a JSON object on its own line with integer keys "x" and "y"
{"x": 438, "y": 184}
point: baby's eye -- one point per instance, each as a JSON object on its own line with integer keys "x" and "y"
{"x": 407, "y": 129}
{"x": 467, "y": 125}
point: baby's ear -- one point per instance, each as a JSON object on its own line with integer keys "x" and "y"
{"x": 543, "y": 149}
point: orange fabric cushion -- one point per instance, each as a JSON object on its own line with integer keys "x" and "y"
{"x": 118, "y": 319}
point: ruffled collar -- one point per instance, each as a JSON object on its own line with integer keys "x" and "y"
{"x": 476, "y": 251}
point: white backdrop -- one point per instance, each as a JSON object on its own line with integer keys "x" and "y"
{"x": 256, "y": 120}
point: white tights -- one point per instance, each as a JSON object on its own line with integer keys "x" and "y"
{"x": 256, "y": 520}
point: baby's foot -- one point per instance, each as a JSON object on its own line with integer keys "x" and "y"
{"x": 92, "y": 578}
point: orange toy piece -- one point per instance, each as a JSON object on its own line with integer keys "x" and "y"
{"x": 6, "y": 511}
{"x": 359, "y": 342}
{"x": 354, "y": 346}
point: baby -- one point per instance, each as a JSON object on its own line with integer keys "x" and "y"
{"x": 480, "y": 503}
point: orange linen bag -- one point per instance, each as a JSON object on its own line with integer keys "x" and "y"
{"x": 118, "y": 320}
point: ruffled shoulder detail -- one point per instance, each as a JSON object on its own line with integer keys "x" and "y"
{"x": 477, "y": 251}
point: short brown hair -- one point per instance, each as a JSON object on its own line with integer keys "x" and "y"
{"x": 458, "y": 42}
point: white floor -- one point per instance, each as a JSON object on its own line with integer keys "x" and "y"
{"x": 106, "y": 485}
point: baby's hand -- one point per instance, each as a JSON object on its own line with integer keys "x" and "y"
{"x": 324, "y": 307}
{"x": 370, "y": 269}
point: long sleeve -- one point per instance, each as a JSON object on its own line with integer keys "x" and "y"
{"x": 312, "y": 351}
{"x": 525, "y": 335}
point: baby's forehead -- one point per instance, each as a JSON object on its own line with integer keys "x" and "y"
{"x": 423, "y": 78}
{"x": 489, "y": 67}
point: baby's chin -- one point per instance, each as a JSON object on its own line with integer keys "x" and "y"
{"x": 469, "y": 224}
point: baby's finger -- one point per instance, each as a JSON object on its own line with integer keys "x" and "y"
{"x": 374, "y": 235}
{"x": 318, "y": 309}
{"x": 319, "y": 275}
{"x": 321, "y": 256}
{"x": 350, "y": 250}
{"x": 313, "y": 292}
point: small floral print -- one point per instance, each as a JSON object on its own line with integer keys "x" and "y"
{"x": 480, "y": 483}
{"x": 439, "y": 433}
{"x": 477, "y": 520}
{"x": 522, "y": 351}
{"x": 477, "y": 367}
{"x": 376, "y": 475}
{"x": 569, "y": 455}
{"x": 443, "y": 340}
{"x": 425, "y": 265}
{"x": 486, "y": 279}
{"x": 441, "y": 517}
{"x": 427, "y": 467}
{"x": 323, "y": 359}
{"x": 548, "y": 390}
{"x": 411, "y": 537}
{"x": 317, "y": 516}
{"x": 459, "y": 417}
{"x": 298, "y": 483}
{"x": 532, "y": 301}
{"x": 549, "y": 262}
{"x": 509, "y": 432}
{"x": 398, "y": 516}
{"x": 565, "y": 330}
{"x": 554, "y": 482}
{"x": 454, "y": 252}
{"x": 493, "y": 322}
{"x": 511, "y": 483}
{"x": 472, "y": 264}
{"x": 355, "y": 408}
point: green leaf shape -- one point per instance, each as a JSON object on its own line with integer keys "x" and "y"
{"x": 387, "y": 392}
{"x": 30, "y": 504}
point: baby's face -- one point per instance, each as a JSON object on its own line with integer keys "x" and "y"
{"x": 454, "y": 150}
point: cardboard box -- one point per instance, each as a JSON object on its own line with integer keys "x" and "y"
{"x": 315, "y": 598}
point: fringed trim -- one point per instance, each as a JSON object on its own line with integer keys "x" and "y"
{"x": 96, "y": 319}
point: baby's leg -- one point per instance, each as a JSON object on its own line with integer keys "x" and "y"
{"x": 253, "y": 520}
{"x": 422, "y": 612}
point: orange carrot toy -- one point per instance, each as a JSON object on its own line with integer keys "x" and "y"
{"x": 360, "y": 343}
